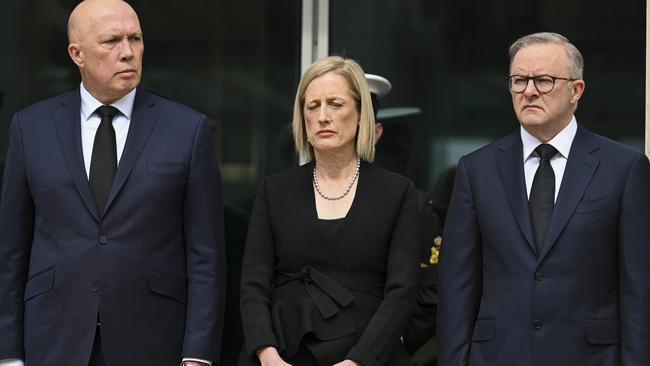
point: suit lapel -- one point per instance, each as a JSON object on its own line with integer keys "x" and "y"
{"x": 511, "y": 170}
{"x": 68, "y": 125}
{"x": 143, "y": 119}
{"x": 580, "y": 168}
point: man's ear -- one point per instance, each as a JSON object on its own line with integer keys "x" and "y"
{"x": 76, "y": 54}
{"x": 577, "y": 89}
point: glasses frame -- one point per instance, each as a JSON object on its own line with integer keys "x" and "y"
{"x": 534, "y": 79}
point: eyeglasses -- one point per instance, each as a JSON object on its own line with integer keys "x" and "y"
{"x": 543, "y": 83}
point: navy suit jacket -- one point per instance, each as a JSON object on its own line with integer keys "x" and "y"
{"x": 151, "y": 266}
{"x": 585, "y": 299}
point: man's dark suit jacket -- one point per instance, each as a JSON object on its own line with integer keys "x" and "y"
{"x": 585, "y": 299}
{"x": 342, "y": 295}
{"x": 151, "y": 265}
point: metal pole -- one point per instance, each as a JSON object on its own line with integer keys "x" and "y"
{"x": 315, "y": 32}
{"x": 647, "y": 81}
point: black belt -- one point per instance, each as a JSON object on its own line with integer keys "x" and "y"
{"x": 326, "y": 288}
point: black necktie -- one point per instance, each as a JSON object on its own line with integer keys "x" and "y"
{"x": 103, "y": 163}
{"x": 542, "y": 194}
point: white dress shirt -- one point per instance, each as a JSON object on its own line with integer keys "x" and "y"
{"x": 89, "y": 123}
{"x": 562, "y": 142}
{"x": 11, "y": 362}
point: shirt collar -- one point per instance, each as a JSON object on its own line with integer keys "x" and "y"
{"x": 89, "y": 104}
{"x": 562, "y": 141}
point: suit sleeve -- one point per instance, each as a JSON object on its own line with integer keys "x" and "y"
{"x": 16, "y": 234}
{"x": 634, "y": 265}
{"x": 206, "y": 265}
{"x": 460, "y": 274}
{"x": 257, "y": 278}
{"x": 389, "y": 321}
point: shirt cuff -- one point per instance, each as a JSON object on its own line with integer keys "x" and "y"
{"x": 184, "y": 359}
{"x": 12, "y": 362}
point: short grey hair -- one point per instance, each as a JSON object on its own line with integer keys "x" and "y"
{"x": 576, "y": 63}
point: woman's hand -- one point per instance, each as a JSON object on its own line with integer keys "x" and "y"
{"x": 269, "y": 356}
{"x": 347, "y": 363}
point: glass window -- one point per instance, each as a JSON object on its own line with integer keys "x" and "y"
{"x": 449, "y": 58}
{"x": 236, "y": 61}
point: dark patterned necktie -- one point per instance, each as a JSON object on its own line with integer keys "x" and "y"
{"x": 542, "y": 194}
{"x": 103, "y": 163}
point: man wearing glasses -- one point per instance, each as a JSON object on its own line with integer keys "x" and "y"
{"x": 547, "y": 241}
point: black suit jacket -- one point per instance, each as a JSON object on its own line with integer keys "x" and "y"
{"x": 151, "y": 266}
{"x": 585, "y": 299}
{"x": 350, "y": 297}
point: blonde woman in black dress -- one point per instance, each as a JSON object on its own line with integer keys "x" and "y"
{"x": 330, "y": 268}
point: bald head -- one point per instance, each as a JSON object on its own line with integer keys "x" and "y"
{"x": 88, "y": 12}
{"x": 106, "y": 45}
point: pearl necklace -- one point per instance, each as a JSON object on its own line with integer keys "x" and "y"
{"x": 347, "y": 190}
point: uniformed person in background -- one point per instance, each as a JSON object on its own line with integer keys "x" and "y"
{"x": 392, "y": 136}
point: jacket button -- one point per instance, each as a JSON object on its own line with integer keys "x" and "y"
{"x": 103, "y": 240}
{"x": 539, "y": 276}
{"x": 537, "y": 324}
{"x": 94, "y": 287}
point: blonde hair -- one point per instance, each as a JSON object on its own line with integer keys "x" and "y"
{"x": 354, "y": 75}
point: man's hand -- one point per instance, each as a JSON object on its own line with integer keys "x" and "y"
{"x": 347, "y": 363}
{"x": 269, "y": 356}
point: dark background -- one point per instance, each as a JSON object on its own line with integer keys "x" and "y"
{"x": 450, "y": 59}
{"x": 239, "y": 63}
